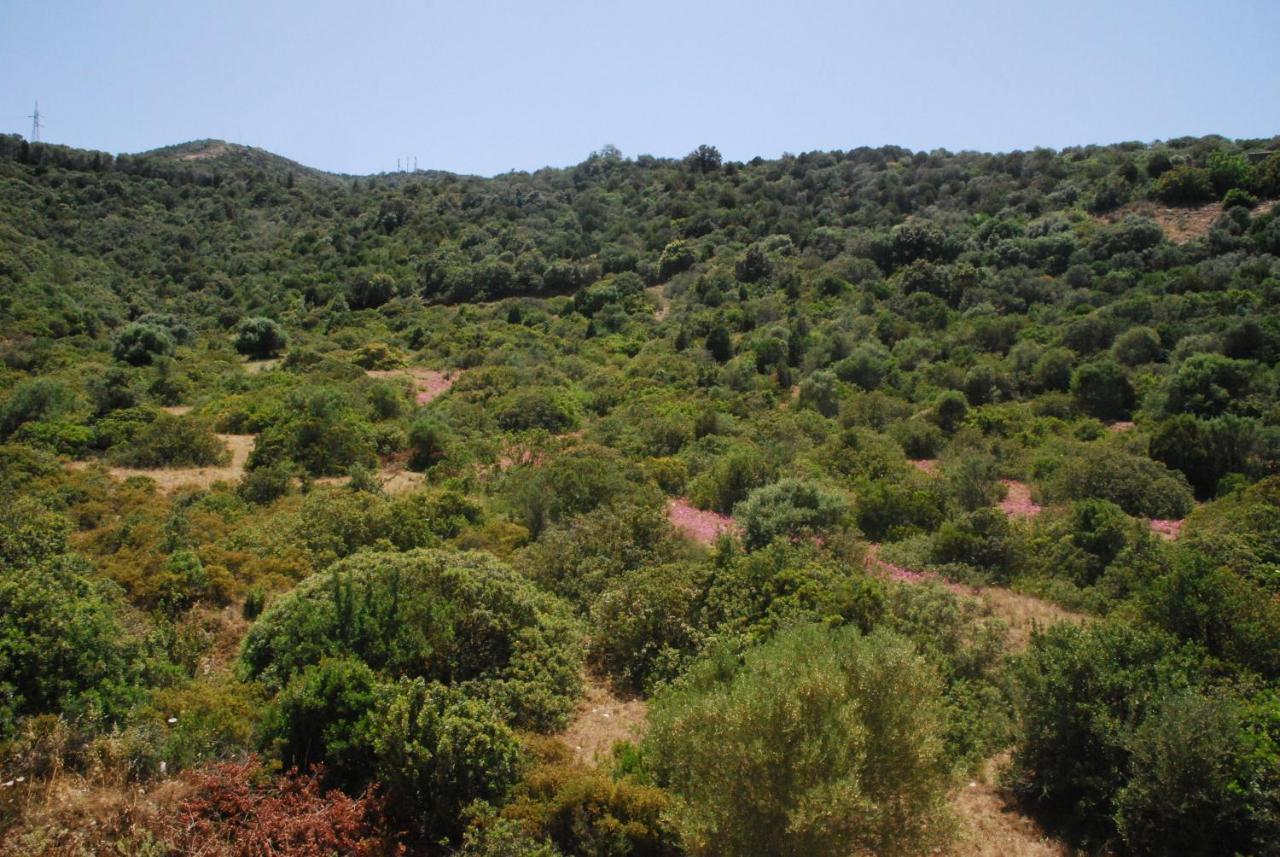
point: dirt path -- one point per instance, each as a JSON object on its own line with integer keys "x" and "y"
{"x": 1017, "y": 502}
{"x": 601, "y": 720}
{"x": 428, "y": 384}
{"x": 1020, "y": 612}
{"x": 170, "y": 479}
{"x": 664, "y": 303}
{"x": 1180, "y": 223}
{"x": 699, "y": 525}
{"x": 990, "y": 825}
{"x": 395, "y": 479}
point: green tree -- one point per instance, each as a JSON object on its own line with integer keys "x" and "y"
{"x": 819, "y": 742}
{"x": 437, "y": 751}
{"x": 439, "y": 615}
{"x": 1102, "y": 389}
{"x": 260, "y": 337}
{"x": 792, "y": 508}
{"x": 139, "y": 344}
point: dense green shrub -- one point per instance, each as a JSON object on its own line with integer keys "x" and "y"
{"x": 1203, "y": 779}
{"x": 1209, "y": 384}
{"x": 456, "y": 617}
{"x": 37, "y": 400}
{"x": 1102, "y": 389}
{"x": 172, "y": 441}
{"x": 319, "y": 429}
{"x": 580, "y": 557}
{"x": 63, "y": 645}
{"x": 1185, "y": 186}
{"x": 260, "y": 337}
{"x": 887, "y": 511}
{"x": 751, "y": 596}
{"x": 1119, "y": 735}
{"x": 645, "y": 625}
{"x": 321, "y": 717}
{"x": 437, "y": 750}
{"x": 982, "y": 539}
{"x": 791, "y": 508}
{"x": 1135, "y": 483}
{"x": 585, "y": 812}
{"x": 140, "y": 344}
{"x": 1207, "y": 450}
{"x": 537, "y": 408}
{"x": 838, "y": 735}
{"x": 573, "y": 483}
{"x": 730, "y": 479}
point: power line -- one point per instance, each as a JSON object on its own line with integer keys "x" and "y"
{"x": 35, "y": 124}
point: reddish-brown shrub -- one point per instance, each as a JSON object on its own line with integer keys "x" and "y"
{"x": 236, "y": 809}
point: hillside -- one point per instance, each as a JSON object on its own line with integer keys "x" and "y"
{"x": 853, "y": 502}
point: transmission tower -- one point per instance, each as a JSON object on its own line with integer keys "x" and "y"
{"x": 35, "y": 124}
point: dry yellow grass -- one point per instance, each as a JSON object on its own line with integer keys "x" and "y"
{"x": 601, "y": 720}
{"x": 1024, "y": 613}
{"x": 170, "y": 479}
{"x": 990, "y": 825}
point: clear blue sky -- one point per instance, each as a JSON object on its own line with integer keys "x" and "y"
{"x": 484, "y": 87}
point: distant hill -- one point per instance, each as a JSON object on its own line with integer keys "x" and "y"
{"x": 221, "y": 155}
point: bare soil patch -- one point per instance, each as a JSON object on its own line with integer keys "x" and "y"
{"x": 602, "y": 719}
{"x": 1180, "y": 223}
{"x": 698, "y": 524}
{"x": 177, "y": 410}
{"x": 1165, "y": 528}
{"x": 664, "y": 303}
{"x": 1017, "y": 502}
{"x": 1022, "y": 613}
{"x": 428, "y": 384}
{"x": 926, "y": 465}
{"x": 990, "y": 824}
{"x": 253, "y": 367}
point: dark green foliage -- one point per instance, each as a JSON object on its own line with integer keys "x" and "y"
{"x": 573, "y": 483}
{"x": 1207, "y": 450}
{"x": 318, "y": 429}
{"x": 260, "y": 337}
{"x": 437, "y": 751}
{"x": 1232, "y": 617}
{"x": 320, "y": 717}
{"x": 543, "y": 408}
{"x": 887, "y": 510}
{"x": 790, "y": 508}
{"x": 63, "y": 645}
{"x": 730, "y": 479}
{"x": 646, "y": 625}
{"x": 752, "y": 595}
{"x": 1122, "y": 737}
{"x": 460, "y": 618}
{"x": 429, "y": 442}
{"x": 1137, "y": 346}
{"x": 1204, "y": 779}
{"x": 981, "y": 539}
{"x": 838, "y": 735}
{"x": 37, "y": 400}
{"x": 1135, "y": 483}
{"x": 1185, "y": 186}
{"x": 1080, "y": 692}
{"x": 821, "y": 391}
{"x": 580, "y": 557}
{"x": 1209, "y": 384}
{"x": 1102, "y": 390}
{"x": 141, "y": 344}
{"x": 172, "y": 441}
{"x": 949, "y": 410}
{"x": 581, "y": 811}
